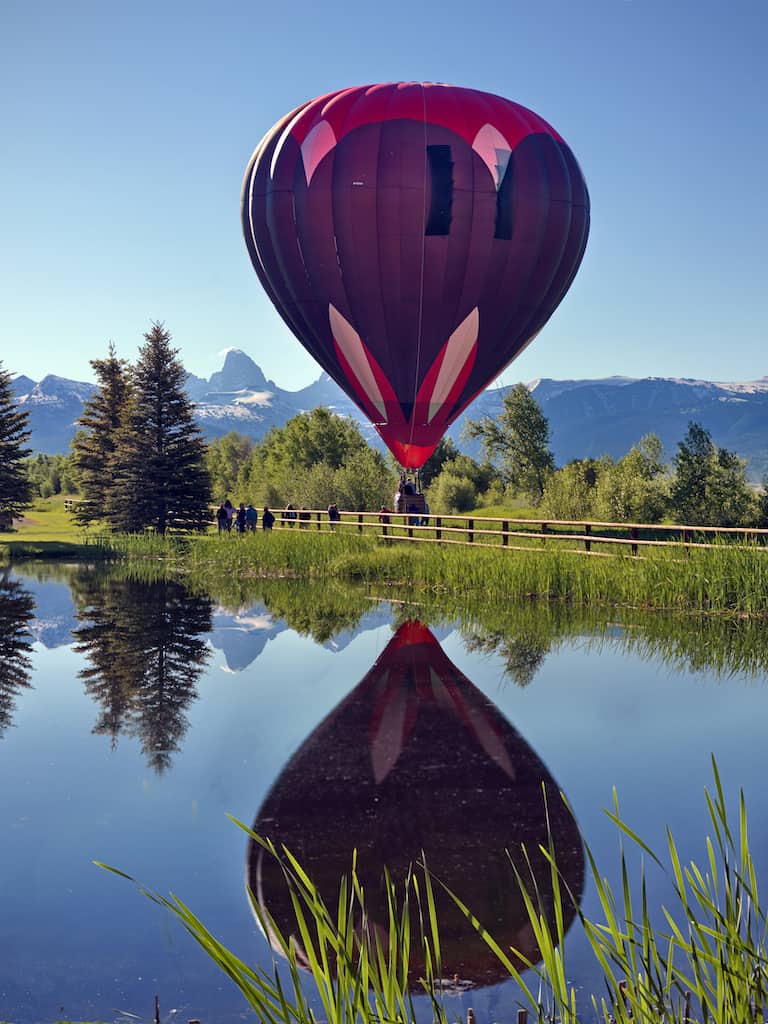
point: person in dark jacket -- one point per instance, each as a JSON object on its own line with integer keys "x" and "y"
{"x": 240, "y": 519}
{"x": 267, "y": 519}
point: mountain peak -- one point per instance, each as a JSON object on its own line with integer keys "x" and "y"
{"x": 239, "y": 371}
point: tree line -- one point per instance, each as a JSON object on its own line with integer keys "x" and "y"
{"x": 138, "y": 461}
{"x": 704, "y": 485}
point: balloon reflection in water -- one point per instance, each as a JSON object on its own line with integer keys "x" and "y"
{"x": 417, "y": 758}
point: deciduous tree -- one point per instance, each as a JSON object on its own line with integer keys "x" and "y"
{"x": 519, "y": 440}
{"x": 710, "y": 484}
{"x": 634, "y": 489}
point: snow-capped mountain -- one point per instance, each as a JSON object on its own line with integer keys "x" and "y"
{"x": 588, "y": 418}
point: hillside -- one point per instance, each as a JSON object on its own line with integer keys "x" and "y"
{"x": 587, "y": 417}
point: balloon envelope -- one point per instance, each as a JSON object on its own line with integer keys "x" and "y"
{"x": 415, "y": 237}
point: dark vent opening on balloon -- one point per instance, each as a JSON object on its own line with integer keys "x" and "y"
{"x": 441, "y": 192}
{"x": 504, "y": 220}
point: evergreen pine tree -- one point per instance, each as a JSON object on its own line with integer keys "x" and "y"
{"x": 15, "y": 489}
{"x": 94, "y": 445}
{"x": 159, "y": 477}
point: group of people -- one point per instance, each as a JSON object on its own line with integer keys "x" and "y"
{"x": 243, "y": 519}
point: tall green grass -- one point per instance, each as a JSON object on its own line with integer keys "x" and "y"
{"x": 708, "y": 963}
{"x": 725, "y": 578}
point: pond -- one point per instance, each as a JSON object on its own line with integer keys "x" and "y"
{"x": 136, "y": 715}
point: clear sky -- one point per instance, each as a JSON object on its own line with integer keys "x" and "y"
{"x": 125, "y": 130}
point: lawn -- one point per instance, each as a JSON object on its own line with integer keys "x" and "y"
{"x": 46, "y": 529}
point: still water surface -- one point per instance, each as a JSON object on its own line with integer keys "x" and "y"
{"x": 135, "y": 717}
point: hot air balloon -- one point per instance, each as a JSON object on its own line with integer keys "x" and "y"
{"x": 417, "y": 759}
{"x": 415, "y": 237}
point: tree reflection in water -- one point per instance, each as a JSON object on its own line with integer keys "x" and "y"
{"x": 16, "y": 608}
{"x": 417, "y": 759}
{"x": 146, "y": 648}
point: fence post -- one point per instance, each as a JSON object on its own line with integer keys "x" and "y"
{"x": 438, "y": 530}
{"x": 633, "y": 536}
{"x": 471, "y": 529}
{"x": 588, "y": 543}
{"x": 504, "y": 533}
{"x": 319, "y": 524}
{"x": 360, "y": 522}
{"x": 543, "y": 530}
{"x": 407, "y": 522}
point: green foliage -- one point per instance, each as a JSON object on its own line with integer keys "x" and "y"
{"x": 227, "y": 460}
{"x": 93, "y": 447}
{"x": 15, "y": 489}
{"x": 724, "y": 578}
{"x": 762, "y": 505}
{"x": 363, "y": 482}
{"x": 635, "y": 488}
{"x": 51, "y": 474}
{"x": 710, "y": 484}
{"x": 461, "y": 481}
{"x": 446, "y": 451}
{"x": 310, "y": 438}
{"x": 158, "y": 479}
{"x": 569, "y": 493}
{"x": 452, "y": 493}
{"x": 315, "y": 459}
{"x": 519, "y": 440}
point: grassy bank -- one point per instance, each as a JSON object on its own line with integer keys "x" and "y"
{"x": 723, "y": 579}
{"x": 46, "y": 530}
{"x": 726, "y": 578}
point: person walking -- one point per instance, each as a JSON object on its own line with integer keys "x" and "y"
{"x": 230, "y": 510}
{"x": 267, "y": 519}
{"x": 251, "y": 517}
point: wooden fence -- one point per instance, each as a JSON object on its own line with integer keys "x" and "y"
{"x": 584, "y": 536}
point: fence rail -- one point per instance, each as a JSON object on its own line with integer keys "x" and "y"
{"x": 586, "y": 536}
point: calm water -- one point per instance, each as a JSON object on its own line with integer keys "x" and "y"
{"x": 135, "y": 717}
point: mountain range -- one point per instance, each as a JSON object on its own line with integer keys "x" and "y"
{"x": 587, "y": 418}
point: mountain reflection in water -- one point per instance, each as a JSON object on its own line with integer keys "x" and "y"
{"x": 417, "y": 759}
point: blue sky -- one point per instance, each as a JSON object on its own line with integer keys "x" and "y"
{"x": 126, "y": 130}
